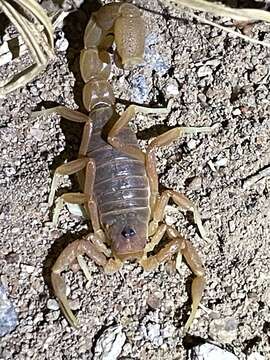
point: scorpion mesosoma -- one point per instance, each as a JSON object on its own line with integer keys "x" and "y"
{"x": 119, "y": 181}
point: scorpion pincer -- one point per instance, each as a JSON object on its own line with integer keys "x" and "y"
{"x": 119, "y": 181}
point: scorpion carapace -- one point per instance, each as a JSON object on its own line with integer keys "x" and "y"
{"x": 119, "y": 181}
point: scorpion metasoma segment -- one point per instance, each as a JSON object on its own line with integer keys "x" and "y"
{"x": 119, "y": 182}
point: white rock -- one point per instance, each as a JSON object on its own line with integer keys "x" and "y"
{"x": 61, "y": 44}
{"x": 8, "y": 316}
{"x": 212, "y": 166}
{"x": 10, "y": 171}
{"x": 109, "y": 345}
{"x": 8, "y": 46}
{"x": 192, "y": 144}
{"x": 204, "y": 71}
{"x": 28, "y": 268}
{"x": 255, "y": 356}
{"x": 232, "y": 225}
{"x": 224, "y": 330}
{"x": 210, "y": 352}
{"x": 172, "y": 88}
{"x": 76, "y": 209}
{"x": 213, "y": 63}
{"x": 5, "y": 54}
{"x": 170, "y": 220}
{"x": 168, "y": 331}
{"x": 15, "y": 230}
{"x": 221, "y": 162}
{"x": 36, "y": 133}
{"x": 153, "y": 331}
{"x": 52, "y": 304}
{"x": 236, "y": 112}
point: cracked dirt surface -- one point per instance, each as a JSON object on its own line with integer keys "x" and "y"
{"x": 213, "y": 78}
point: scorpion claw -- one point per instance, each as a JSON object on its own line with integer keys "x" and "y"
{"x": 59, "y": 288}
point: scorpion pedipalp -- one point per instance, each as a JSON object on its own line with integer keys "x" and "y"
{"x": 67, "y": 257}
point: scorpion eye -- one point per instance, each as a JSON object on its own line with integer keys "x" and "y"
{"x": 128, "y": 232}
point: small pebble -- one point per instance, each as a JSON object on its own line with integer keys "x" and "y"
{"x": 154, "y": 300}
{"x": 168, "y": 331}
{"x": 153, "y": 331}
{"x": 221, "y": 162}
{"x": 212, "y": 166}
{"x": 255, "y": 356}
{"x": 202, "y": 98}
{"x": 52, "y": 304}
{"x": 75, "y": 304}
{"x": 170, "y": 220}
{"x": 28, "y": 268}
{"x": 195, "y": 183}
{"x": 61, "y": 44}
{"x": 192, "y": 144}
{"x": 236, "y": 112}
{"x": 204, "y": 71}
{"x": 172, "y": 88}
{"x": 127, "y": 349}
{"x": 15, "y": 230}
{"x": 10, "y": 171}
{"x": 36, "y": 133}
{"x": 232, "y": 226}
{"x": 224, "y": 330}
{"x": 110, "y": 343}
{"x": 208, "y": 351}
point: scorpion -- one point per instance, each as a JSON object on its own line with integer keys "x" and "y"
{"x": 119, "y": 182}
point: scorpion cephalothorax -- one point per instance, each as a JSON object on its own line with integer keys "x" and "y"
{"x": 119, "y": 181}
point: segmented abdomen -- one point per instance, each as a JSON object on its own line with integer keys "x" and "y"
{"x": 121, "y": 183}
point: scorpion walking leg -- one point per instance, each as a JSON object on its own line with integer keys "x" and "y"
{"x": 159, "y": 233}
{"x": 194, "y": 262}
{"x": 151, "y": 262}
{"x": 112, "y": 265}
{"x": 72, "y": 198}
{"x": 158, "y": 204}
{"x": 67, "y": 257}
{"x": 122, "y": 122}
{"x": 92, "y": 207}
{"x": 70, "y": 168}
{"x": 184, "y": 247}
{"x": 69, "y": 114}
{"x": 183, "y": 202}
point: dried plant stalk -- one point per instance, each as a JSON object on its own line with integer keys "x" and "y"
{"x": 248, "y": 15}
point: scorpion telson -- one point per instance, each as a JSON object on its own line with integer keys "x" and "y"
{"x": 120, "y": 184}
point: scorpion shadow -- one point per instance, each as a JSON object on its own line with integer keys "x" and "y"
{"x": 74, "y": 26}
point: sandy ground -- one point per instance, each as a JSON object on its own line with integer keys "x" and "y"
{"x": 213, "y": 78}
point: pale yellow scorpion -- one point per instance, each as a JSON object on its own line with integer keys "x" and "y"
{"x": 119, "y": 181}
